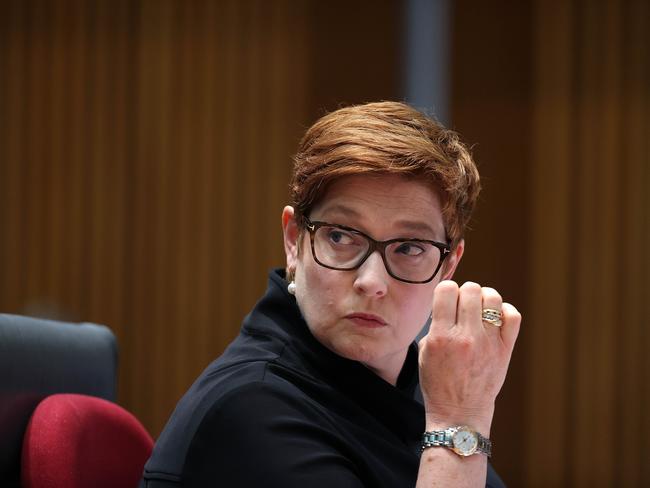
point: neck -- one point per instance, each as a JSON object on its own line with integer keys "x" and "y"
{"x": 390, "y": 369}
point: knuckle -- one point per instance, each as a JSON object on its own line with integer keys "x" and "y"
{"x": 447, "y": 286}
{"x": 465, "y": 344}
{"x": 470, "y": 285}
{"x": 432, "y": 345}
{"x": 511, "y": 312}
{"x": 438, "y": 341}
{"x": 488, "y": 291}
{"x": 471, "y": 289}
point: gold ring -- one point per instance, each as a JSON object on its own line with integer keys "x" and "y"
{"x": 492, "y": 316}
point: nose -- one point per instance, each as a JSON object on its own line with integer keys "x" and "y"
{"x": 372, "y": 277}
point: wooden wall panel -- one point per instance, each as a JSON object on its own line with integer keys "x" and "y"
{"x": 633, "y": 361}
{"x": 145, "y": 160}
{"x": 216, "y": 81}
{"x": 51, "y": 185}
{"x": 550, "y": 352}
{"x": 589, "y": 371}
{"x": 13, "y": 62}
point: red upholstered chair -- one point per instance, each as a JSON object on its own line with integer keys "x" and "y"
{"x": 80, "y": 441}
{"x": 39, "y": 358}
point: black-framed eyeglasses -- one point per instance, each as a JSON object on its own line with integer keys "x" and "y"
{"x": 343, "y": 248}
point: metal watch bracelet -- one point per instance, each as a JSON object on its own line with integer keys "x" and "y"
{"x": 449, "y": 438}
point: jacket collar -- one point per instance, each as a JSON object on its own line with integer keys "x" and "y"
{"x": 277, "y": 315}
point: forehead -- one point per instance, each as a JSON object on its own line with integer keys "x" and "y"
{"x": 382, "y": 204}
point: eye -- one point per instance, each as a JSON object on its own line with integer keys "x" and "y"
{"x": 338, "y": 236}
{"x": 410, "y": 249}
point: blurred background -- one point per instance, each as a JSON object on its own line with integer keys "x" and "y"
{"x": 145, "y": 150}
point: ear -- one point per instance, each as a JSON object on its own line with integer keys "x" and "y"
{"x": 451, "y": 263}
{"x": 291, "y": 233}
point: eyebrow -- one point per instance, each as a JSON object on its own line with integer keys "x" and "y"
{"x": 415, "y": 226}
{"x": 346, "y": 211}
{"x": 409, "y": 225}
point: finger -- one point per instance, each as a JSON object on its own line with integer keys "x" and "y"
{"x": 511, "y": 325}
{"x": 469, "y": 306}
{"x": 445, "y": 302}
{"x": 491, "y": 300}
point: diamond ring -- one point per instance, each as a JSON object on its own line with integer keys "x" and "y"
{"x": 492, "y": 316}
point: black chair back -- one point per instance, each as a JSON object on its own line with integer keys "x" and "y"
{"x": 40, "y": 357}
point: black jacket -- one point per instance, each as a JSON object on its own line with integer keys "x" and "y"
{"x": 278, "y": 409}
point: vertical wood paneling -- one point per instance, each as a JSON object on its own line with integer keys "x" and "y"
{"x": 13, "y": 101}
{"x": 56, "y": 217}
{"x": 207, "y": 149}
{"x": 639, "y": 109}
{"x": 229, "y": 197}
{"x": 76, "y": 196}
{"x": 155, "y": 206}
{"x": 185, "y": 114}
{"x": 205, "y": 252}
{"x": 549, "y": 282}
{"x": 630, "y": 457}
{"x": 144, "y": 161}
{"x": 586, "y": 230}
{"x": 589, "y": 371}
{"x": 37, "y": 108}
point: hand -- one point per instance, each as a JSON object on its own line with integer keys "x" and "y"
{"x": 463, "y": 360}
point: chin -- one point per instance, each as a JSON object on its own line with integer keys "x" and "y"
{"x": 356, "y": 349}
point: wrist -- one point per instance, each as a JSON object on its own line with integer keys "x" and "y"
{"x": 479, "y": 420}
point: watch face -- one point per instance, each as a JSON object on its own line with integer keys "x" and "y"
{"x": 465, "y": 442}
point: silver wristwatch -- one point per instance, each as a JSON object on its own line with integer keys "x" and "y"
{"x": 460, "y": 439}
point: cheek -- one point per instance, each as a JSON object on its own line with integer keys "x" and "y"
{"x": 315, "y": 291}
{"x": 415, "y": 305}
{"x": 318, "y": 285}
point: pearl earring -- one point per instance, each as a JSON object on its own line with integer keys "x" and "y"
{"x": 291, "y": 288}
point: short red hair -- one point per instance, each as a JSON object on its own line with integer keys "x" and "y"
{"x": 386, "y": 138}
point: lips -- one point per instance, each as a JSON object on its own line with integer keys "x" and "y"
{"x": 366, "y": 319}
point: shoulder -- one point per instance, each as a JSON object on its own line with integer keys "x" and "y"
{"x": 266, "y": 431}
{"x": 231, "y": 406}
{"x": 264, "y": 403}
{"x": 218, "y": 383}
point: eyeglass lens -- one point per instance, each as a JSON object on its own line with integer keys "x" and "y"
{"x": 407, "y": 260}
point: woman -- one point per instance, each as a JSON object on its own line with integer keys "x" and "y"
{"x": 320, "y": 388}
